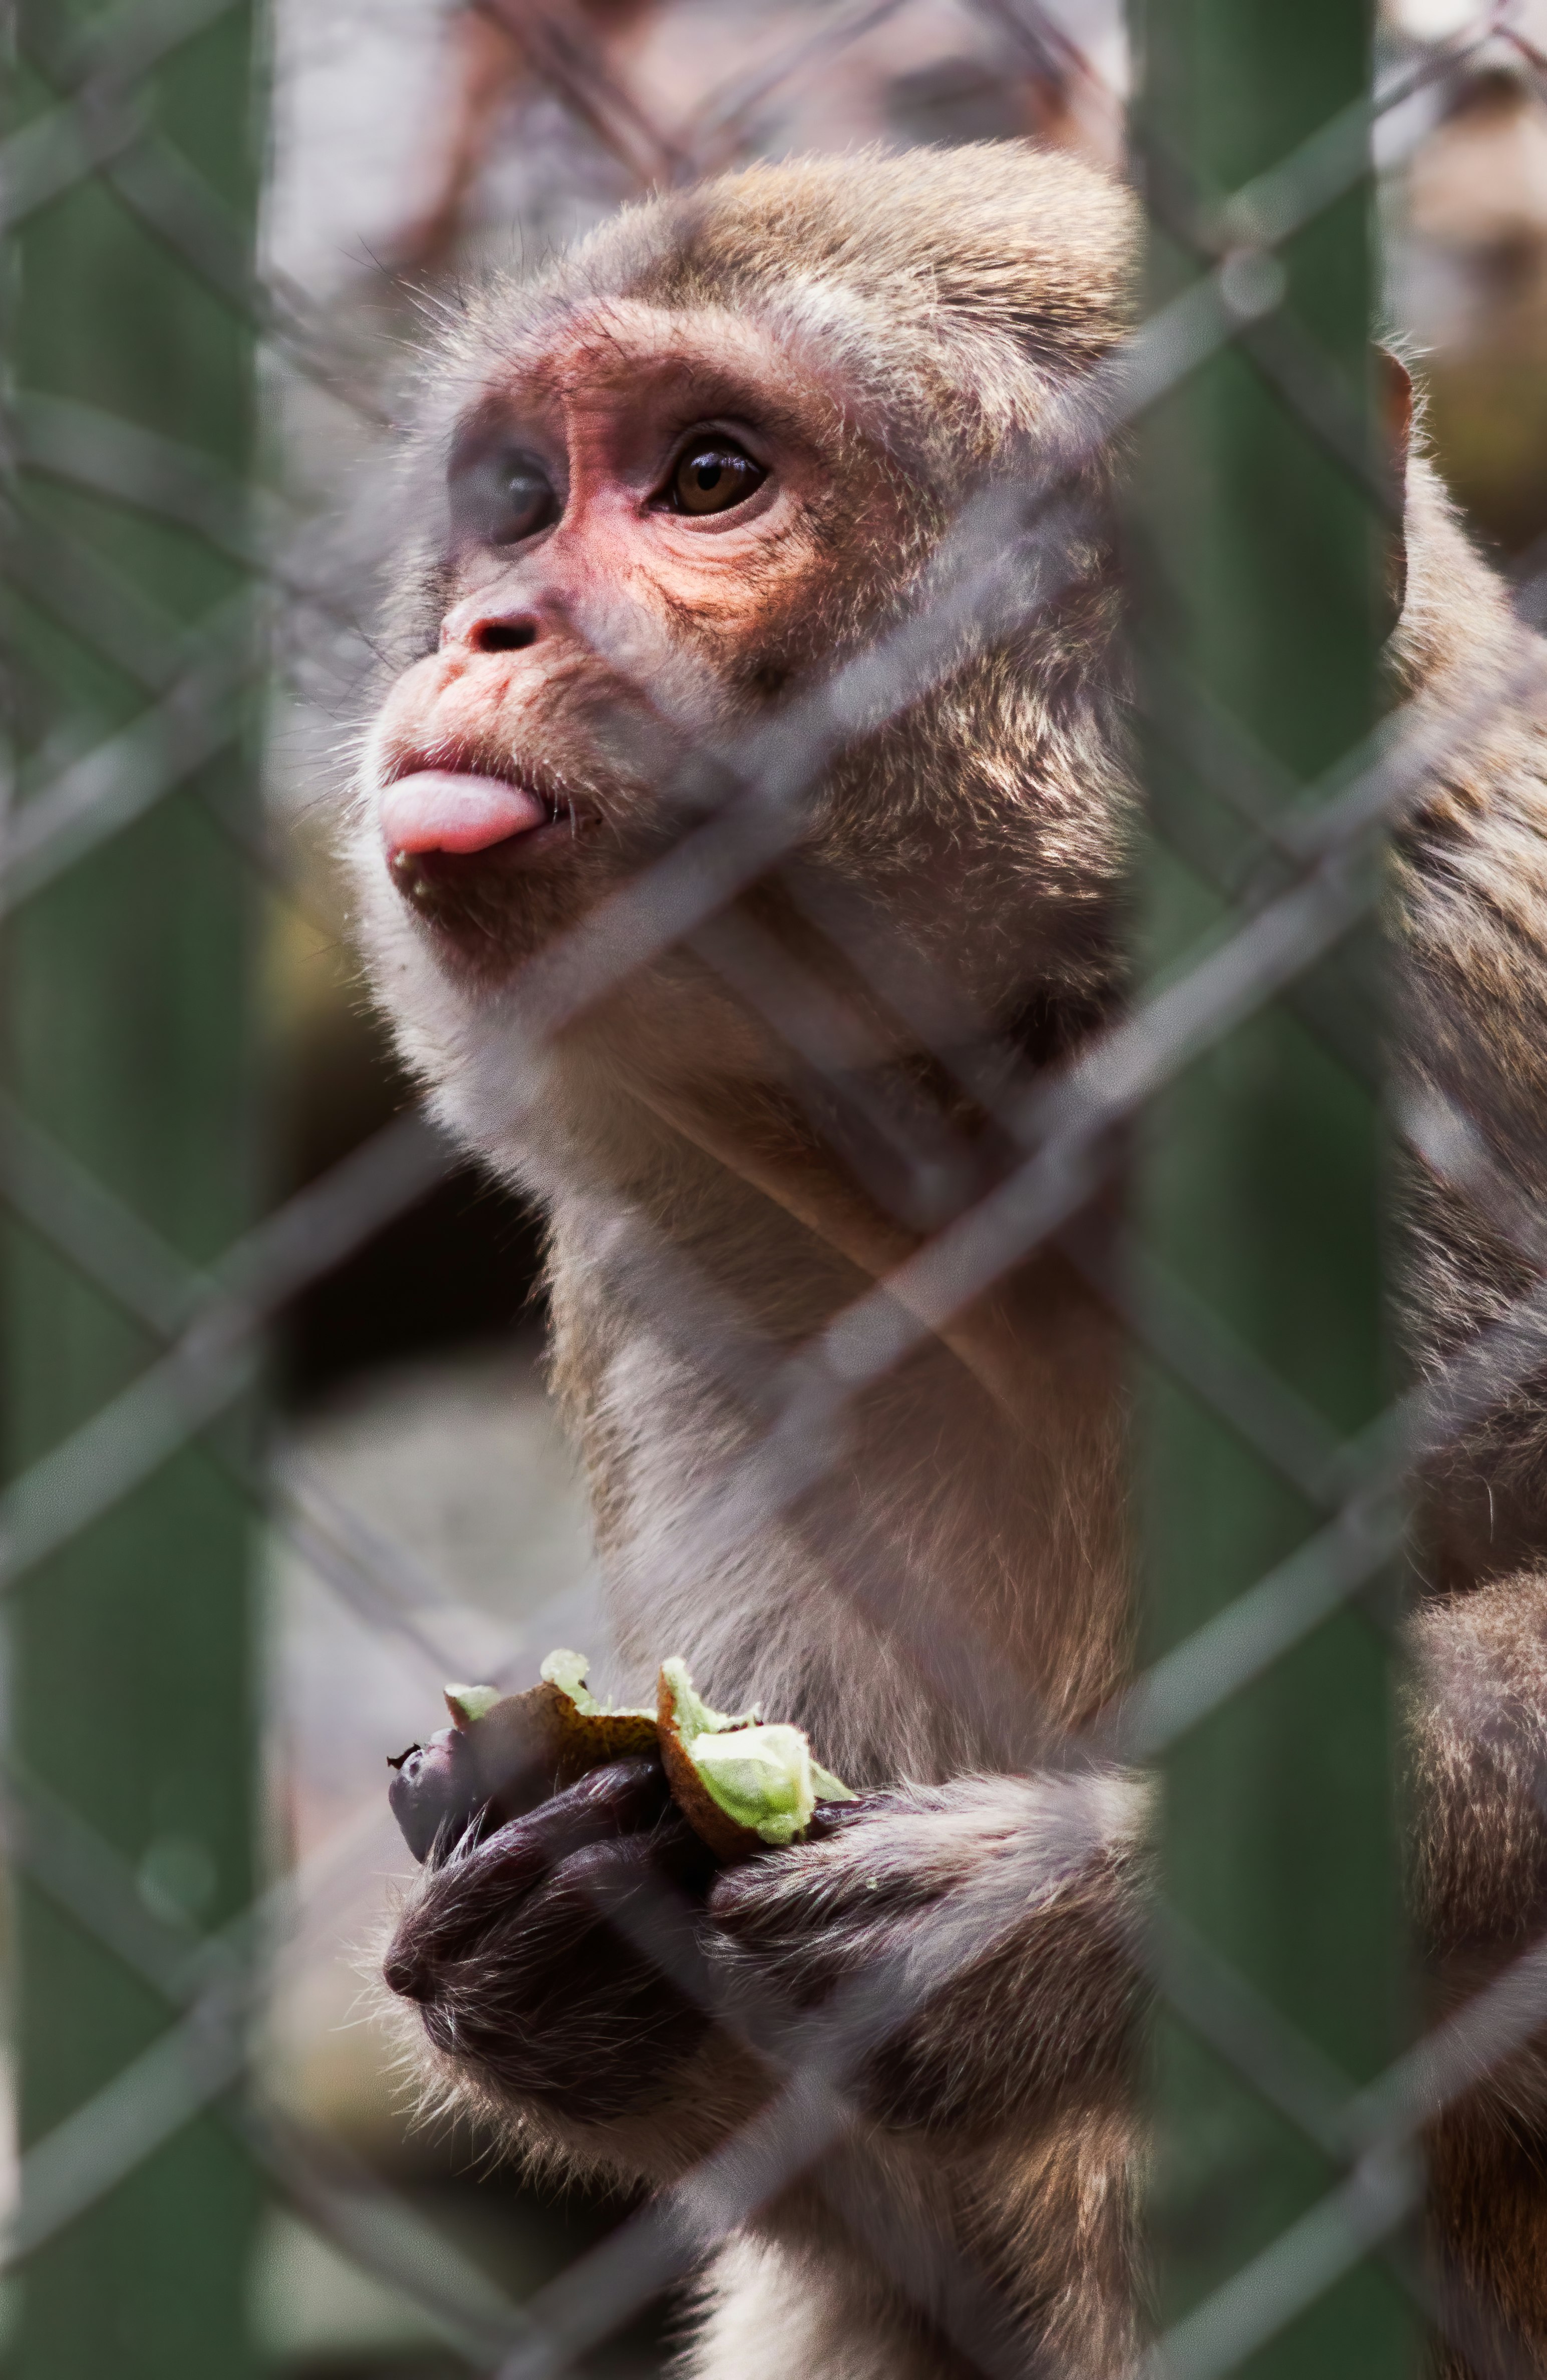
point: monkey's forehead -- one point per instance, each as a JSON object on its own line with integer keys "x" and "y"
{"x": 967, "y": 284}
{"x": 769, "y": 359}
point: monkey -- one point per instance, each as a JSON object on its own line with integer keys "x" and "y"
{"x": 665, "y": 499}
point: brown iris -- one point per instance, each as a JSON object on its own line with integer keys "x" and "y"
{"x": 713, "y": 475}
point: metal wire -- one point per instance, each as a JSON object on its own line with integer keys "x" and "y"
{"x": 1296, "y": 885}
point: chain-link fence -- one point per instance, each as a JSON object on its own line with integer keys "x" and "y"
{"x": 197, "y": 420}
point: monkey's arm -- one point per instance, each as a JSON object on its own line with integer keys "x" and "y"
{"x": 1479, "y": 1738}
{"x": 967, "y": 1944}
{"x": 1478, "y": 1729}
{"x": 991, "y": 1920}
{"x": 971, "y": 1947}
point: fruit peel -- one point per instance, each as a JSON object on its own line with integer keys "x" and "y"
{"x": 467, "y": 1704}
{"x": 743, "y": 1786}
{"x": 527, "y": 1745}
{"x": 504, "y": 1753}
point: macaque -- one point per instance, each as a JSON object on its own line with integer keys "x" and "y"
{"x": 663, "y": 494}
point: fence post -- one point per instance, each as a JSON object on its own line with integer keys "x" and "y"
{"x": 129, "y": 1026}
{"x": 1259, "y": 542}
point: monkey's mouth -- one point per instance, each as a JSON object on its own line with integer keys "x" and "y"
{"x": 452, "y": 833}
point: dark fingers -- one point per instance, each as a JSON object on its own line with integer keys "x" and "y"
{"x": 474, "y": 1892}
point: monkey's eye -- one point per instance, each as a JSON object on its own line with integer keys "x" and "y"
{"x": 712, "y": 475}
{"x": 499, "y": 496}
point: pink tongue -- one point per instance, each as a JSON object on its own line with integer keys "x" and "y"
{"x": 439, "y": 811}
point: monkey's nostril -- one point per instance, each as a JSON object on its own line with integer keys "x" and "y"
{"x": 502, "y": 636}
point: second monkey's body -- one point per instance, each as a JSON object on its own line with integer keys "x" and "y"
{"x": 690, "y": 475}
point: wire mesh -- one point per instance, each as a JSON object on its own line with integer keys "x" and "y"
{"x": 144, "y": 534}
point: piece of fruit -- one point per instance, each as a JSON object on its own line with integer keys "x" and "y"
{"x": 531, "y": 1744}
{"x": 505, "y": 1753}
{"x": 740, "y": 1783}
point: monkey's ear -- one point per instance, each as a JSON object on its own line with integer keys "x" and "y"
{"x": 1394, "y": 394}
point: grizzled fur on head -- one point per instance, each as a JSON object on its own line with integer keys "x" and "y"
{"x": 951, "y": 304}
{"x": 954, "y": 293}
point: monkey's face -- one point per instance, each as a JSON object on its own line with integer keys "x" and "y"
{"x": 653, "y": 523}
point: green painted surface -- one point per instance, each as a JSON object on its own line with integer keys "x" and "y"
{"x": 127, "y": 1037}
{"x": 1258, "y": 558}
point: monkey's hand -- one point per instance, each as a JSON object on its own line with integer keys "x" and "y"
{"x": 957, "y": 1955}
{"x": 962, "y": 1955}
{"x": 519, "y": 1948}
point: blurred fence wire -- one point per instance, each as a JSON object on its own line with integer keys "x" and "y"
{"x": 153, "y": 579}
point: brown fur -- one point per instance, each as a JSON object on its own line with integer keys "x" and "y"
{"x": 947, "y": 1597}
